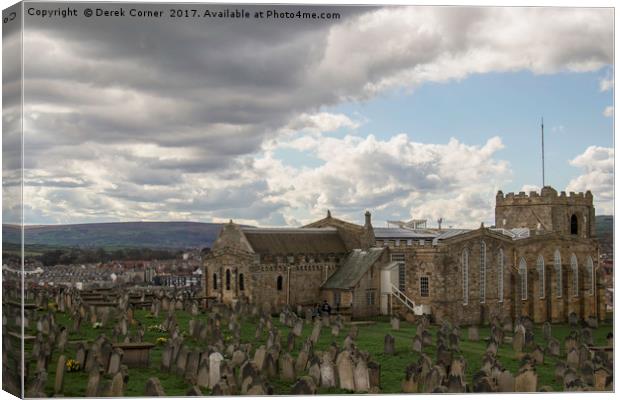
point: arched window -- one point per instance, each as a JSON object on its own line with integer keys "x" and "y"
{"x": 557, "y": 262}
{"x": 540, "y": 268}
{"x": 574, "y": 267}
{"x": 214, "y": 281}
{"x": 227, "y": 279}
{"x": 279, "y": 282}
{"x": 483, "y": 270}
{"x": 590, "y": 271}
{"x": 241, "y": 283}
{"x": 465, "y": 269}
{"x": 500, "y": 275}
{"x": 523, "y": 275}
{"x": 574, "y": 225}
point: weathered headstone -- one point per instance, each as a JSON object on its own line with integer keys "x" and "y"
{"x": 154, "y": 388}
{"x": 361, "y": 377}
{"x": 395, "y": 321}
{"x": 60, "y": 375}
{"x": 304, "y": 385}
{"x": 344, "y": 367}
{"x": 215, "y": 359}
{"x": 473, "y": 335}
{"x": 526, "y": 381}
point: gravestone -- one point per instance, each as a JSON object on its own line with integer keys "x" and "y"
{"x": 328, "y": 375}
{"x": 316, "y": 332}
{"x": 518, "y": 340}
{"x": 395, "y": 321}
{"x": 92, "y": 386}
{"x": 298, "y": 327}
{"x": 417, "y": 344}
{"x": 202, "y": 378}
{"x": 505, "y": 382}
{"x": 526, "y": 381}
{"x": 572, "y": 359}
{"x": 304, "y": 385}
{"x": 344, "y": 367}
{"x": 154, "y": 388}
{"x": 361, "y": 377}
{"x": 60, "y": 375}
{"x": 116, "y": 358}
{"x": 547, "y": 330}
{"x": 215, "y": 359}
{"x": 259, "y": 357}
{"x": 301, "y": 362}
{"x": 553, "y": 347}
{"x": 117, "y": 387}
{"x": 286, "y": 367}
{"x": 473, "y": 335}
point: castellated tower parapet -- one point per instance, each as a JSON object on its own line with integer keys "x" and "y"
{"x": 571, "y": 214}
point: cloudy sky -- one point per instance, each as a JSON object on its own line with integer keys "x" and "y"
{"x": 409, "y": 112}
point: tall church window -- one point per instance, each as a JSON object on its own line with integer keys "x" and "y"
{"x": 574, "y": 267}
{"x": 241, "y": 282}
{"x": 590, "y": 271}
{"x": 214, "y": 281}
{"x": 400, "y": 259}
{"x": 523, "y": 275}
{"x": 465, "y": 269}
{"x": 279, "y": 282}
{"x": 500, "y": 276}
{"x": 557, "y": 261}
{"x": 574, "y": 225}
{"x": 227, "y": 279}
{"x": 483, "y": 270}
{"x": 540, "y": 268}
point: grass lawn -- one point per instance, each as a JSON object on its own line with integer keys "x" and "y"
{"x": 370, "y": 338}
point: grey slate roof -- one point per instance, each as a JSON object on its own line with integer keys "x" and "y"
{"x": 352, "y": 270}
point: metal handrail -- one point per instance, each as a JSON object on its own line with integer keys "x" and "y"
{"x": 403, "y": 297}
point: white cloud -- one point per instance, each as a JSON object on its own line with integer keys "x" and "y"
{"x": 606, "y": 84}
{"x": 597, "y": 164}
{"x": 608, "y": 111}
{"x": 396, "y": 177}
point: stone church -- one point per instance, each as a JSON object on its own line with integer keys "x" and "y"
{"x": 540, "y": 259}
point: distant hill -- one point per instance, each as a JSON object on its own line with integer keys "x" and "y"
{"x": 605, "y": 233}
{"x": 166, "y": 235}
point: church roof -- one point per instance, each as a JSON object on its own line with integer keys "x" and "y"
{"x": 295, "y": 240}
{"x": 352, "y": 270}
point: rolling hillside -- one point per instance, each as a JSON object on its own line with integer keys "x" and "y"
{"x": 169, "y": 235}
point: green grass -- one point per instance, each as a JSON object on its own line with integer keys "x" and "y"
{"x": 370, "y": 338}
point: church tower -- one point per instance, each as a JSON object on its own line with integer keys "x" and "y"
{"x": 547, "y": 211}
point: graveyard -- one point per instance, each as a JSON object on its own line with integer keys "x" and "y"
{"x": 114, "y": 343}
